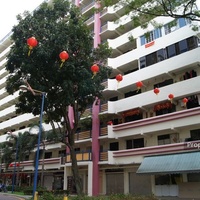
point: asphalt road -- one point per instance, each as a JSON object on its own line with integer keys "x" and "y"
{"x": 4, "y": 196}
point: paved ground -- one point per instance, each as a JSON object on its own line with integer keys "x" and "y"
{"x": 177, "y": 198}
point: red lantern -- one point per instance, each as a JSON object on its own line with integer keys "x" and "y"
{"x": 139, "y": 84}
{"x": 109, "y": 123}
{"x": 119, "y": 78}
{"x": 94, "y": 69}
{"x": 63, "y": 56}
{"x": 156, "y": 91}
{"x": 171, "y": 96}
{"x": 185, "y": 100}
{"x": 31, "y": 42}
{"x": 11, "y": 165}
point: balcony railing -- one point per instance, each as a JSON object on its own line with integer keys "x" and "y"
{"x": 104, "y": 107}
{"x": 82, "y": 156}
{"x": 160, "y": 149}
{"x": 103, "y": 156}
{"x": 87, "y": 7}
{"x": 104, "y": 131}
{"x": 83, "y": 135}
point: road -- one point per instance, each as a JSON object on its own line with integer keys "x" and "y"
{"x": 8, "y": 197}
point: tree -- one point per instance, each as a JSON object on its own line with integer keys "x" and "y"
{"x": 142, "y": 11}
{"x": 57, "y": 27}
{"x": 22, "y": 145}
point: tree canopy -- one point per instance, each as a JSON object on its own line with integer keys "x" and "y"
{"x": 57, "y": 27}
{"x": 142, "y": 11}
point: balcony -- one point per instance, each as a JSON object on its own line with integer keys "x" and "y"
{"x": 87, "y": 7}
{"x": 83, "y": 135}
{"x": 148, "y": 99}
{"x": 136, "y": 155}
{"x": 50, "y": 163}
{"x": 168, "y": 122}
{"x": 82, "y": 156}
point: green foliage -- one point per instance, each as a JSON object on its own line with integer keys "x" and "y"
{"x": 57, "y": 27}
{"x": 142, "y": 11}
{"x": 110, "y": 197}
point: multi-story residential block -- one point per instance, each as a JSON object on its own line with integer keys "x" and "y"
{"x": 144, "y": 136}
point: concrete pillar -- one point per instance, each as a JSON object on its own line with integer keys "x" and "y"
{"x": 90, "y": 179}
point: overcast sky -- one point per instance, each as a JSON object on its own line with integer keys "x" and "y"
{"x": 9, "y": 9}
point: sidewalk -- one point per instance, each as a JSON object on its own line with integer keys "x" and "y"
{"x": 176, "y": 198}
{"x": 22, "y": 197}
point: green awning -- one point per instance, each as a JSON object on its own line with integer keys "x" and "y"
{"x": 170, "y": 164}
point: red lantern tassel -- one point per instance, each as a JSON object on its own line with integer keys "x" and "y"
{"x": 62, "y": 61}
{"x": 94, "y": 74}
{"x": 29, "y": 52}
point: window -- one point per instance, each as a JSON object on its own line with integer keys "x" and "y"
{"x": 114, "y": 146}
{"x": 113, "y": 98}
{"x": 150, "y": 36}
{"x": 170, "y": 27}
{"x": 62, "y": 153}
{"x": 171, "y": 51}
{"x": 175, "y": 24}
{"x": 183, "y": 47}
{"x": 135, "y": 143}
{"x": 132, "y": 93}
{"x": 195, "y": 134}
{"x": 164, "y": 139}
{"x": 192, "y": 43}
{"x": 142, "y": 62}
{"x": 193, "y": 177}
{"x": 164, "y": 83}
{"x": 48, "y": 155}
{"x": 160, "y": 55}
{"x": 151, "y": 59}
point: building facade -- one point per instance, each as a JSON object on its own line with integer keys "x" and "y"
{"x": 144, "y": 135}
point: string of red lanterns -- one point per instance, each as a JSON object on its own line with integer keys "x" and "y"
{"x": 32, "y": 42}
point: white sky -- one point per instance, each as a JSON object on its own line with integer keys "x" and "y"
{"x": 9, "y": 9}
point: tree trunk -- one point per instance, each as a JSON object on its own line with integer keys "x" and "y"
{"x": 76, "y": 175}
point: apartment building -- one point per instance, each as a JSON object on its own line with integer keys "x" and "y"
{"x": 144, "y": 135}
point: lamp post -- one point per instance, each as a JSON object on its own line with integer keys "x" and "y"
{"x": 36, "y": 92}
{"x": 16, "y": 156}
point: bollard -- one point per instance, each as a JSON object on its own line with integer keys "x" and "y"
{"x": 36, "y": 195}
{"x": 65, "y": 198}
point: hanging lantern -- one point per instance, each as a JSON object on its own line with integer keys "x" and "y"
{"x": 119, "y": 78}
{"x": 139, "y": 84}
{"x": 94, "y": 69}
{"x": 171, "y": 96}
{"x": 185, "y": 100}
{"x": 63, "y": 56}
{"x": 11, "y": 165}
{"x": 31, "y": 42}
{"x": 156, "y": 91}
